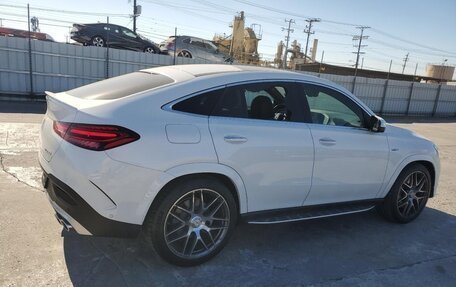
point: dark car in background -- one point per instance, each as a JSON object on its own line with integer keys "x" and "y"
{"x": 115, "y": 36}
{"x": 193, "y": 47}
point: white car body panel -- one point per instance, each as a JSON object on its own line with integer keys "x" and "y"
{"x": 406, "y": 147}
{"x": 350, "y": 164}
{"x": 275, "y": 161}
{"x": 269, "y": 172}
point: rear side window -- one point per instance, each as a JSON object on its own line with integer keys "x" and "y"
{"x": 261, "y": 101}
{"x": 202, "y": 104}
{"x": 121, "y": 86}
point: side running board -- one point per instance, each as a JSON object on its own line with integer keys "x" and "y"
{"x": 308, "y": 212}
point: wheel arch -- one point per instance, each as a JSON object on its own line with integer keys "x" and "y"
{"x": 224, "y": 174}
{"x": 427, "y": 161}
{"x": 430, "y": 167}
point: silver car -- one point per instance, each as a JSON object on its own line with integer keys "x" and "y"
{"x": 193, "y": 47}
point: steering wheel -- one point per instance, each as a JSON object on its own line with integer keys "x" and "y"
{"x": 279, "y": 108}
{"x": 280, "y": 112}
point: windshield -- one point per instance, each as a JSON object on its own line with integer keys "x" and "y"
{"x": 143, "y": 37}
{"x": 211, "y": 45}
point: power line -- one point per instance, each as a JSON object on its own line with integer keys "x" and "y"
{"x": 66, "y": 11}
{"x": 269, "y": 8}
{"x": 397, "y": 47}
{"x": 194, "y": 14}
{"x": 411, "y": 42}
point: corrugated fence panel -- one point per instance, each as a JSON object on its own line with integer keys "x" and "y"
{"x": 423, "y": 99}
{"x": 344, "y": 81}
{"x": 14, "y": 68}
{"x": 396, "y": 97}
{"x": 370, "y": 91}
{"x": 447, "y": 101}
{"x": 59, "y": 66}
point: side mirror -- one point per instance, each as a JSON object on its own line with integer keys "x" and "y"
{"x": 377, "y": 124}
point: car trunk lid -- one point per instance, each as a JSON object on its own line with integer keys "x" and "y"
{"x": 61, "y": 107}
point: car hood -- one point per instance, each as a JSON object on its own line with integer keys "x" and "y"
{"x": 398, "y": 131}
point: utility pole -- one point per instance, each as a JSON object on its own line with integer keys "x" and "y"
{"x": 360, "y": 39}
{"x": 443, "y": 70}
{"x": 309, "y": 31}
{"x": 287, "y": 39}
{"x": 135, "y": 14}
{"x": 405, "y": 62}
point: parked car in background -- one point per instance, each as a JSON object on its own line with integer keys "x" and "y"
{"x": 193, "y": 47}
{"x": 115, "y": 36}
{"x": 10, "y": 32}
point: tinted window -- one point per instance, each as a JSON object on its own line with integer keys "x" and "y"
{"x": 329, "y": 107}
{"x": 201, "y": 104}
{"x": 128, "y": 33}
{"x": 186, "y": 40}
{"x": 208, "y": 45}
{"x": 121, "y": 86}
{"x": 264, "y": 101}
{"x": 198, "y": 43}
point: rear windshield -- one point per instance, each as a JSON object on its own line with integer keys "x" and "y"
{"x": 121, "y": 86}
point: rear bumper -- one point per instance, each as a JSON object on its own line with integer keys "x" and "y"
{"x": 79, "y": 38}
{"x": 74, "y": 212}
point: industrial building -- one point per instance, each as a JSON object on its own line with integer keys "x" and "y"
{"x": 242, "y": 44}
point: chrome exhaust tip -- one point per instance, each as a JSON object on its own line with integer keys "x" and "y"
{"x": 66, "y": 225}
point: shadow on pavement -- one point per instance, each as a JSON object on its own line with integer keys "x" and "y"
{"x": 307, "y": 252}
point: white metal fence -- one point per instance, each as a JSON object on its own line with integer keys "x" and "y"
{"x": 58, "y": 67}
{"x": 400, "y": 97}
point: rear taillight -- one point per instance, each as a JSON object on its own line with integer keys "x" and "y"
{"x": 94, "y": 137}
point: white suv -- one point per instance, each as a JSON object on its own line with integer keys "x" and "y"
{"x": 181, "y": 153}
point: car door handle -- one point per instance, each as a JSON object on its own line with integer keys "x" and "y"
{"x": 235, "y": 139}
{"x": 327, "y": 141}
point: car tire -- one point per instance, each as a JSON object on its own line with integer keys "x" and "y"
{"x": 408, "y": 195}
{"x": 186, "y": 232}
{"x": 97, "y": 41}
{"x": 150, "y": 50}
{"x": 184, "y": 54}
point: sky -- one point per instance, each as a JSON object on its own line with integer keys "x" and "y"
{"x": 424, "y": 29}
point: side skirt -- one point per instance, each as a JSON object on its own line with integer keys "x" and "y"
{"x": 309, "y": 212}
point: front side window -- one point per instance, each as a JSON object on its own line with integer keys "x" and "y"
{"x": 329, "y": 107}
{"x": 197, "y": 43}
{"x": 262, "y": 101}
